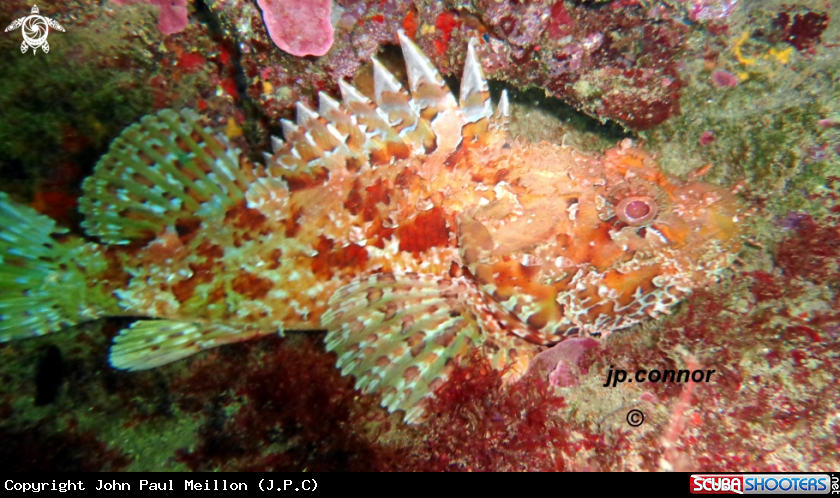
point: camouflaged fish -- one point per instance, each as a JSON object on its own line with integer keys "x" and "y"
{"x": 410, "y": 227}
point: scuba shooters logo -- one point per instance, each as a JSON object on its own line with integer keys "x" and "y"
{"x": 35, "y": 29}
{"x": 709, "y": 484}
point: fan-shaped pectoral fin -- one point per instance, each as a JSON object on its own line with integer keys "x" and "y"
{"x": 402, "y": 334}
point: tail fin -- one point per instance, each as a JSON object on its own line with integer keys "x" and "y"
{"x": 43, "y": 282}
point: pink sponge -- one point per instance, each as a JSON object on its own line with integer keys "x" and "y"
{"x": 561, "y": 360}
{"x": 299, "y": 27}
{"x": 172, "y": 17}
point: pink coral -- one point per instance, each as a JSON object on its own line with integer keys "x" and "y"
{"x": 172, "y": 17}
{"x": 299, "y": 27}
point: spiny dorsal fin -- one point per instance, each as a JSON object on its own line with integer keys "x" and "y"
{"x": 426, "y": 85}
{"x": 165, "y": 168}
{"x": 395, "y": 103}
{"x": 304, "y": 146}
{"x": 344, "y": 127}
{"x": 341, "y": 124}
{"x": 382, "y": 142}
{"x": 321, "y": 135}
{"x": 303, "y": 159}
{"x": 358, "y": 132}
{"x": 431, "y": 96}
{"x": 316, "y": 129}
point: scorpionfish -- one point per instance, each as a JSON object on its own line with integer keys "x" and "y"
{"x": 406, "y": 223}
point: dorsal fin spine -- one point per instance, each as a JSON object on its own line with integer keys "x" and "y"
{"x": 419, "y": 68}
{"x": 290, "y": 130}
{"x": 426, "y": 119}
{"x": 383, "y": 80}
{"x": 502, "y": 116}
{"x": 277, "y": 144}
{"x": 269, "y": 159}
{"x": 304, "y": 114}
{"x": 326, "y": 104}
{"x": 474, "y": 87}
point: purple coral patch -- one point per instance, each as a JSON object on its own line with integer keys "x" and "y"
{"x": 803, "y": 30}
{"x": 299, "y": 27}
{"x": 724, "y": 79}
{"x": 707, "y": 10}
{"x": 561, "y": 360}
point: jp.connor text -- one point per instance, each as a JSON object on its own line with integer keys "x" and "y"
{"x": 658, "y": 376}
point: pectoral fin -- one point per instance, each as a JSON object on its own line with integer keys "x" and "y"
{"x": 402, "y": 335}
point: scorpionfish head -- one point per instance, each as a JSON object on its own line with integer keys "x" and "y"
{"x": 574, "y": 244}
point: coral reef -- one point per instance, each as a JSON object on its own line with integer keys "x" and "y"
{"x": 261, "y": 418}
{"x": 273, "y": 417}
{"x": 613, "y": 62}
{"x": 480, "y": 425}
{"x": 768, "y": 121}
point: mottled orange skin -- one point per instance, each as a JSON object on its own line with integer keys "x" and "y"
{"x": 522, "y": 220}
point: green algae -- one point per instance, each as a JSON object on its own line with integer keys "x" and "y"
{"x": 63, "y": 103}
{"x": 766, "y": 130}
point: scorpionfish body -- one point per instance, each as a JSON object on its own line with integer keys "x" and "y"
{"x": 408, "y": 225}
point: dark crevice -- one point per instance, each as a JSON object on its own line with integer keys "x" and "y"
{"x": 49, "y": 377}
{"x": 251, "y": 108}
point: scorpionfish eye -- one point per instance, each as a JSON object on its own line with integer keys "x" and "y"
{"x": 637, "y": 211}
